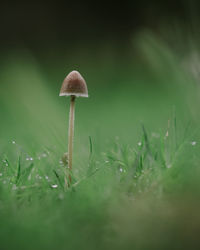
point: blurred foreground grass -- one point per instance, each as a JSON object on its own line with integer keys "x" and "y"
{"x": 137, "y": 188}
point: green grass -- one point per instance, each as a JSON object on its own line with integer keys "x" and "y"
{"x": 136, "y": 155}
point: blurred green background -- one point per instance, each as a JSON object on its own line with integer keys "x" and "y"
{"x": 139, "y": 186}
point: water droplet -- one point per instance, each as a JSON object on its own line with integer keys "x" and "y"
{"x": 29, "y": 159}
{"x": 54, "y": 186}
{"x": 38, "y": 176}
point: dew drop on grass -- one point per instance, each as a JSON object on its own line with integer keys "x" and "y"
{"x": 38, "y": 177}
{"x": 6, "y": 164}
{"x": 54, "y": 186}
{"x": 29, "y": 159}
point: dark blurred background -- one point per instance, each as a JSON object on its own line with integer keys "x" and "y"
{"x": 41, "y": 25}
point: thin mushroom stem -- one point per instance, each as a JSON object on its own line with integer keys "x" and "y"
{"x": 71, "y": 133}
{"x": 73, "y": 85}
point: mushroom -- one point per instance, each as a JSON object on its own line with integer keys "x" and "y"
{"x": 74, "y": 86}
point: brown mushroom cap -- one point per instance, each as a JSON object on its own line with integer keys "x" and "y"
{"x": 74, "y": 84}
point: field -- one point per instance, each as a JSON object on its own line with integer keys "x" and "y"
{"x": 136, "y": 150}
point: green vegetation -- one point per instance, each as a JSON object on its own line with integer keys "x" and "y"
{"x": 135, "y": 182}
